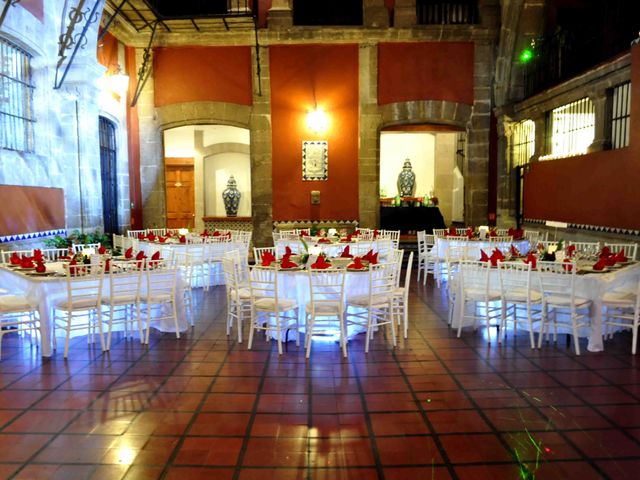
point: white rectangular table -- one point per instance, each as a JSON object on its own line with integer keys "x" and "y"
{"x": 46, "y": 290}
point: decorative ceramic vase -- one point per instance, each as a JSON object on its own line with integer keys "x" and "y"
{"x": 231, "y": 198}
{"x": 406, "y": 180}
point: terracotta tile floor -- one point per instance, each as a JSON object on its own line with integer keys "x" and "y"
{"x": 436, "y": 407}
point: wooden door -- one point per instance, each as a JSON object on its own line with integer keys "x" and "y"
{"x": 179, "y": 187}
{"x": 109, "y": 176}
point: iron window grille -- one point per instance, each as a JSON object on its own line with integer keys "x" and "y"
{"x": 620, "y": 115}
{"x": 523, "y": 138}
{"x": 570, "y": 129}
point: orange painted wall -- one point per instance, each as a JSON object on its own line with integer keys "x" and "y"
{"x": 107, "y": 53}
{"x": 425, "y": 71}
{"x": 599, "y": 188}
{"x": 331, "y": 72}
{"x": 133, "y": 145}
{"x": 192, "y": 74}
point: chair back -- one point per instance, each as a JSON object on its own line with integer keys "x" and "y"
{"x": 533, "y": 236}
{"x": 161, "y": 279}
{"x": 79, "y": 247}
{"x": 240, "y": 263}
{"x": 395, "y": 258}
{"x": 382, "y": 281}
{"x": 558, "y": 279}
{"x": 407, "y": 275}
{"x": 384, "y": 247}
{"x": 326, "y": 289}
{"x": 422, "y": 242}
{"x": 259, "y": 251}
{"x": 53, "y": 254}
{"x": 263, "y": 283}
{"x": 157, "y": 231}
{"x": 135, "y": 233}
{"x": 184, "y": 263}
{"x": 588, "y": 249}
{"x": 84, "y": 284}
{"x": 118, "y": 242}
{"x": 515, "y": 277}
{"x": 124, "y": 280}
{"x": 366, "y": 234}
{"x": 439, "y": 232}
{"x": 501, "y": 239}
{"x": 230, "y": 273}
{"x": 474, "y": 275}
{"x": 393, "y": 235}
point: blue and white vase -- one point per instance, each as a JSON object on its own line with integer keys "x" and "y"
{"x": 406, "y": 180}
{"x": 231, "y": 198}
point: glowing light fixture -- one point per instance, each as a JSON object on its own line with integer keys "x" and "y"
{"x": 526, "y": 55}
{"x": 119, "y": 83}
{"x": 183, "y": 231}
{"x": 317, "y": 120}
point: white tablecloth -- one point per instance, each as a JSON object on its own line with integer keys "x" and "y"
{"x": 474, "y": 246}
{"x": 45, "y": 291}
{"x": 329, "y": 249}
{"x": 591, "y": 286}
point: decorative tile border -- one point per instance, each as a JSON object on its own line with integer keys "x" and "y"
{"x": 594, "y": 228}
{"x": 291, "y": 224}
{"x": 30, "y": 236}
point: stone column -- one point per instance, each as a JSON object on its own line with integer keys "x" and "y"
{"x": 260, "y": 125}
{"x": 370, "y": 121}
{"x": 506, "y": 187}
{"x": 601, "y": 137}
{"x": 376, "y": 14}
{"x": 280, "y": 14}
{"x": 404, "y": 14}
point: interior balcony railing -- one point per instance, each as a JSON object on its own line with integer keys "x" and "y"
{"x": 447, "y": 12}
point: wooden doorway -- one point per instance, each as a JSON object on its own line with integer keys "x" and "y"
{"x": 179, "y": 188}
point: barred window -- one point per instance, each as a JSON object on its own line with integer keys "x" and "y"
{"x": 16, "y": 98}
{"x": 523, "y": 138}
{"x": 620, "y": 114}
{"x": 570, "y": 129}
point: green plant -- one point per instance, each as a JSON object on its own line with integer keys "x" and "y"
{"x": 58, "y": 242}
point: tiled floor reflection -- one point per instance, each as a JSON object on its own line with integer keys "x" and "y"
{"x": 437, "y": 407}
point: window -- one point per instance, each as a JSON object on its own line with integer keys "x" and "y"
{"x": 620, "y": 113}
{"x": 16, "y": 98}
{"x": 570, "y": 129}
{"x": 447, "y": 12}
{"x": 523, "y": 138}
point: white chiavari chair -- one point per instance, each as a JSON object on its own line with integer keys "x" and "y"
{"x": 123, "y": 299}
{"x": 157, "y": 231}
{"x": 19, "y": 314}
{"x": 238, "y": 294}
{"x": 79, "y": 247}
{"x": 586, "y": 249}
{"x": 159, "y": 291}
{"x": 135, "y": 233}
{"x": 439, "y": 232}
{"x": 621, "y": 309}
{"x": 401, "y": 299}
{"x": 475, "y": 288}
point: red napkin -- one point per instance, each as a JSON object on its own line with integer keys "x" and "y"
{"x": 140, "y": 255}
{"x": 37, "y": 255}
{"x": 453, "y": 231}
{"x": 40, "y": 268}
{"x": 345, "y": 253}
{"x": 493, "y": 233}
{"x": 151, "y": 237}
{"x": 73, "y": 270}
{"x": 15, "y": 259}
{"x": 107, "y": 265}
{"x": 368, "y": 255}
{"x": 162, "y": 239}
{"x": 496, "y": 256}
{"x": 376, "y": 233}
{"x": 156, "y": 256}
{"x": 511, "y": 232}
{"x": 324, "y": 240}
{"x": 102, "y": 250}
{"x": 357, "y": 264}
{"x": 571, "y": 250}
{"x": 469, "y": 233}
{"x": 267, "y": 259}
{"x": 621, "y": 257}
{"x": 483, "y": 256}
{"x": 569, "y": 266}
{"x": 128, "y": 253}
{"x": 600, "y": 264}
{"x": 216, "y": 233}
{"x": 26, "y": 262}
{"x": 183, "y": 239}
{"x": 514, "y": 251}
{"x": 373, "y": 260}
{"x": 287, "y": 250}
{"x": 610, "y": 261}
{"x": 205, "y": 233}
{"x": 356, "y": 233}
{"x": 304, "y": 233}
{"x": 141, "y": 236}
{"x": 531, "y": 258}
{"x": 518, "y": 234}
{"x": 605, "y": 252}
{"x": 228, "y": 235}
{"x": 169, "y": 233}
{"x": 286, "y": 263}
{"x": 321, "y": 263}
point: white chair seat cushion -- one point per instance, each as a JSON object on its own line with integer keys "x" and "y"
{"x": 15, "y": 303}
{"x": 269, "y": 304}
{"x": 618, "y": 299}
{"x": 562, "y": 301}
{"x": 327, "y": 308}
{"x": 363, "y": 300}
{"x": 480, "y": 295}
{"x": 243, "y": 293}
{"x": 520, "y": 296}
{"x": 119, "y": 300}
{"x": 78, "y": 304}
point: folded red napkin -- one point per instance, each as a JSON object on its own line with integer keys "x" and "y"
{"x": 205, "y": 233}
{"x": 286, "y": 263}
{"x": 14, "y": 259}
{"x": 531, "y": 258}
{"x": 324, "y": 240}
{"x": 621, "y": 257}
{"x": 469, "y": 233}
{"x": 367, "y": 256}
{"x": 605, "y": 252}
{"x": 141, "y": 236}
{"x": 102, "y": 250}
{"x": 357, "y": 264}
{"x": 128, "y": 253}
{"x": 571, "y": 250}
{"x": 356, "y": 233}
{"x": 26, "y": 262}
{"x": 453, "y": 231}
{"x": 162, "y": 239}
{"x": 483, "y": 256}
{"x": 73, "y": 269}
{"x": 140, "y": 255}
{"x": 183, "y": 239}
{"x": 610, "y": 261}
{"x": 107, "y": 265}
{"x": 37, "y": 255}
{"x": 514, "y": 251}
{"x": 600, "y": 264}
{"x": 321, "y": 263}
{"x": 304, "y": 233}
{"x": 493, "y": 233}
{"x": 345, "y": 253}
{"x": 40, "y": 268}
{"x": 373, "y": 260}
{"x": 376, "y": 233}
{"x": 287, "y": 250}
{"x": 496, "y": 256}
{"x": 151, "y": 237}
{"x": 518, "y": 234}
{"x": 267, "y": 259}
{"x": 156, "y": 256}
{"x": 216, "y": 233}
{"x": 169, "y": 233}
{"x": 568, "y": 266}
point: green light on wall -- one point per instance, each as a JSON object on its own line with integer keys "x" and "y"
{"x": 526, "y": 55}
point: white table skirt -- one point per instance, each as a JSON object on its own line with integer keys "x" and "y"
{"x": 474, "y": 246}
{"x": 46, "y": 290}
{"x": 591, "y": 286}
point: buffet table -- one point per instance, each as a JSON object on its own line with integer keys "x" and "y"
{"x": 46, "y": 290}
{"x": 408, "y": 219}
{"x": 591, "y": 286}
